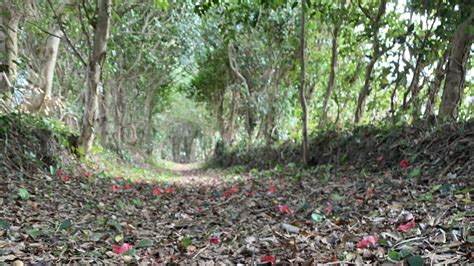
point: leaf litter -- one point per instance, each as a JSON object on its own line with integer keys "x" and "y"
{"x": 263, "y": 217}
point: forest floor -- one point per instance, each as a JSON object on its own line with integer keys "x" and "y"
{"x": 389, "y": 209}
{"x": 283, "y": 215}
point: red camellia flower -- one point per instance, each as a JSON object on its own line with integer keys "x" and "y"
{"x": 114, "y": 187}
{"x": 367, "y": 241}
{"x": 87, "y": 174}
{"x": 268, "y": 258}
{"x": 157, "y": 191}
{"x": 284, "y": 209}
{"x": 405, "y": 228}
{"x": 329, "y": 208}
{"x": 127, "y": 186}
{"x": 121, "y": 249}
{"x": 169, "y": 190}
{"x": 404, "y": 164}
{"x": 214, "y": 240}
{"x": 234, "y": 189}
{"x": 272, "y": 189}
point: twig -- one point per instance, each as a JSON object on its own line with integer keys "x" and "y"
{"x": 76, "y": 52}
{"x": 408, "y": 240}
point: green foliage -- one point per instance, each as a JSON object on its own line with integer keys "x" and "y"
{"x": 23, "y": 193}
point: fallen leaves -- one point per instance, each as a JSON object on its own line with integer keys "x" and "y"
{"x": 196, "y": 223}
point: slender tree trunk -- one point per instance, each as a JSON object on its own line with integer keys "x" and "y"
{"x": 101, "y": 35}
{"x": 103, "y": 118}
{"x": 332, "y": 77}
{"x": 50, "y": 56}
{"x": 435, "y": 86}
{"x": 304, "y": 106}
{"x": 376, "y": 53}
{"x": 456, "y": 69}
{"x": 8, "y": 50}
{"x": 10, "y": 22}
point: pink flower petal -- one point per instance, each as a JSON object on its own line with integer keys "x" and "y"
{"x": 405, "y": 228}
{"x": 367, "y": 241}
{"x": 114, "y": 187}
{"x": 284, "y": 209}
{"x": 157, "y": 191}
{"x": 272, "y": 189}
{"x": 121, "y": 249}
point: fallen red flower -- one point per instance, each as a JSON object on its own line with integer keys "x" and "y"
{"x": 404, "y": 164}
{"x": 114, "y": 187}
{"x": 127, "y": 186}
{"x": 405, "y": 228}
{"x": 234, "y": 189}
{"x": 284, "y": 209}
{"x": 367, "y": 241}
{"x": 121, "y": 249}
{"x": 329, "y": 208}
{"x": 272, "y": 189}
{"x": 268, "y": 258}
{"x": 169, "y": 190}
{"x": 214, "y": 240}
{"x": 157, "y": 191}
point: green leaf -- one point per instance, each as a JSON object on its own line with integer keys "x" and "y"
{"x": 186, "y": 242}
{"x": 33, "y": 232}
{"x": 4, "y": 224}
{"x": 161, "y": 4}
{"x": 23, "y": 192}
{"x": 415, "y": 261}
{"x": 435, "y": 188}
{"x": 144, "y": 243}
{"x": 383, "y": 242}
{"x": 316, "y": 217}
{"x": 114, "y": 224}
{"x": 394, "y": 255}
{"x": 130, "y": 252}
{"x": 65, "y": 225}
{"x": 118, "y": 238}
{"x": 415, "y": 172}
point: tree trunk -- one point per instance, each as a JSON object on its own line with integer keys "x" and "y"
{"x": 101, "y": 35}
{"x": 376, "y": 53}
{"x": 456, "y": 69}
{"x": 304, "y": 106}
{"x": 332, "y": 78}
{"x": 435, "y": 86}
{"x": 8, "y": 51}
{"x": 103, "y": 118}
{"x": 50, "y": 56}
{"x": 10, "y": 22}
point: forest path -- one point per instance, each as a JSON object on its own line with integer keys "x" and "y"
{"x": 195, "y": 173}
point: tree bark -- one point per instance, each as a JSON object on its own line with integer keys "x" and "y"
{"x": 50, "y": 55}
{"x": 101, "y": 35}
{"x": 435, "y": 85}
{"x": 304, "y": 106}
{"x": 332, "y": 77}
{"x": 456, "y": 69}
{"x": 376, "y": 53}
{"x": 9, "y": 20}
